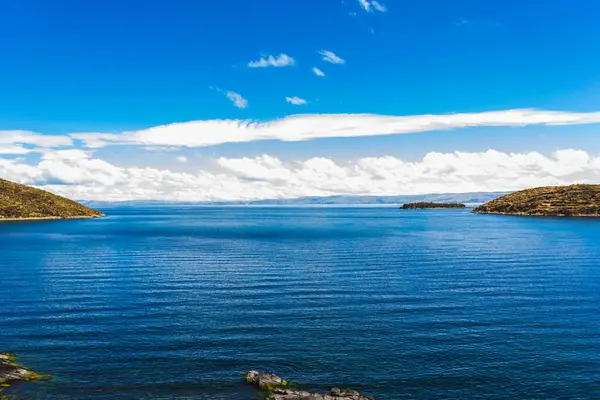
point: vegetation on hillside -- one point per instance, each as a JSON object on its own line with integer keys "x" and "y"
{"x": 424, "y": 205}
{"x": 560, "y": 201}
{"x": 20, "y": 201}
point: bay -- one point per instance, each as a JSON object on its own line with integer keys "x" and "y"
{"x": 178, "y": 302}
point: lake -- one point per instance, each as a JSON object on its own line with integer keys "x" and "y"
{"x": 178, "y": 302}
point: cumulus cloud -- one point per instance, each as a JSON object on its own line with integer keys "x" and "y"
{"x": 314, "y": 126}
{"x": 182, "y": 159}
{"x": 282, "y": 60}
{"x": 297, "y": 101}
{"x": 237, "y": 99}
{"x": 318, "y": 72}
{"x": 78, "y": 175}
{"x": 331, "y": 57}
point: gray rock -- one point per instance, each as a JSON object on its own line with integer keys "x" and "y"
{"x": 263, "y": 380}
{"x": 11, "y": 372}
{"x": 277, "y": 391}
{"x": 334, "y": 394}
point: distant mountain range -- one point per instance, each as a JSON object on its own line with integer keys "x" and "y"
{"x": 474, "y": 198}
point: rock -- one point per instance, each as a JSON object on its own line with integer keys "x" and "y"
{"x": 334, "y": 394}
{"x": 275, "y": 385}
{"x": 11, "y": 372}
{"x": 263, "y": 380}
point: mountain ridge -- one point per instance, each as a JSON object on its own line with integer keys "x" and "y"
{"x": 466, "y": 198}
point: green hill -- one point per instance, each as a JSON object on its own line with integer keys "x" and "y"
{"x": 559, "y": 201}
{"x": 24, "y": 202}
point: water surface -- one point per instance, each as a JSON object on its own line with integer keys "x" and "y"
{"x": 177, "y": 303}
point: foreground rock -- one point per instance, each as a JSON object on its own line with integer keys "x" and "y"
{"x": 334, "y": 394}
{"x": 20, "y": 202}
{"x": 555, "y": 201}
{"x": 264, "y": 381}
{"x": 11, "y": 372}
{"x": 276, "y": 387}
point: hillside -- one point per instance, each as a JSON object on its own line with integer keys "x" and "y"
{"x": 560, "y": 201}
{"x": 24, "y": 202}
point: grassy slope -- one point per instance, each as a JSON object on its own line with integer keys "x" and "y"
{"x": 19, "y": 201}
{"x": 574, "y": 200}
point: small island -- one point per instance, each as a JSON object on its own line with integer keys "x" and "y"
{"x": 20, "y": 202}
{"x": 552, "y": 201}
{"x": 427, "y": 205}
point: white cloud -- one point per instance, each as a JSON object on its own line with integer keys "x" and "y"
{"x": 331, "y": 57}
{"x": 315, "y": 126}
{"x": 372, "y": 6}
{"x": 282, "y": 60}
{"x": 318, "y": 72}
{"x": 70, "y": 155}
{"x": 378, "y": 6}
{"x": 365, "y": 5}
{"x": 297, "y": 101}
{"x": 34, "y": 139}
{"x": 182, "y": 159}
{"x": 78, "y": 175}
{"x": 237, "y": 99}
{"x": 13, "y": 150}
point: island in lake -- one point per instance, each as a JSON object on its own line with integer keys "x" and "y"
{"x": 555, "y": 201}
{"x": 20, "y": 202}
{"x": 427, "y": 205}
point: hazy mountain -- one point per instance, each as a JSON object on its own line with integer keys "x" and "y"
{"x": 465, "y": 198}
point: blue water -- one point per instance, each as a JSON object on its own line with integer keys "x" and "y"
{"x": 177, "y": 303}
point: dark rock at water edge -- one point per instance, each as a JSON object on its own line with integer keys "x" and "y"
{"x": 11, "y": 372}
{"x": 263, "y": 380}
{"x": 277, "y": 390}
{"x": 333, "y": 394}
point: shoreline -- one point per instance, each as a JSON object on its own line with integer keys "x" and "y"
{"x": 537, "y": 215}
{"x": 50, "y": 218}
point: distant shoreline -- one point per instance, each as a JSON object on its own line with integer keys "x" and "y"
{"x": 48, "y": 218}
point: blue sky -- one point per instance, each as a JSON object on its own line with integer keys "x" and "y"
{"x": 117, "y": 66}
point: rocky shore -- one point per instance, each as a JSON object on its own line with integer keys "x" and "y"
{"x": 278, "y": 389}
{"x": 11, "y": 372}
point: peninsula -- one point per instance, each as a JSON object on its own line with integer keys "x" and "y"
{"x": 426, "y": 205}
{"x": 554, "y": 201}
{"x": 20, "y": 202}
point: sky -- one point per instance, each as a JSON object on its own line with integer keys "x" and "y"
{"x": 240, "y": 100}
